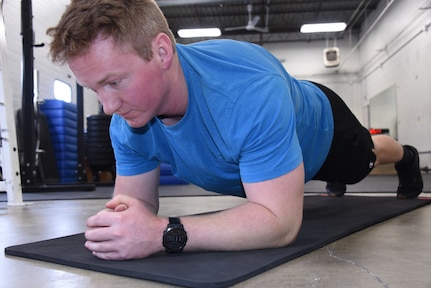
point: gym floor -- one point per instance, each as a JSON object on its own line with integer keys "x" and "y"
{"x": 393, "y": 254}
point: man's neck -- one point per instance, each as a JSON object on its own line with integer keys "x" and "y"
{"x": 169, "y": 120}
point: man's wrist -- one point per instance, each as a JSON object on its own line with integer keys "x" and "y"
{"x": 174, "y": 236}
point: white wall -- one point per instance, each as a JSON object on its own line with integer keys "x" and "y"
{"x": 397, "y": 53}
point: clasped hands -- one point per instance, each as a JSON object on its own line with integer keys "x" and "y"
{"x": 126, "y": 229}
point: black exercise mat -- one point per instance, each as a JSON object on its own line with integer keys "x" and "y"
{"x": 326, "y": 219}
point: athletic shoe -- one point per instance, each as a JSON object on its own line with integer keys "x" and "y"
{"x": 409, "y": 174}
{"x": 335, "y": 189}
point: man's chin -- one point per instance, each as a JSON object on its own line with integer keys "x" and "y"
{"x": 135, "y": 124}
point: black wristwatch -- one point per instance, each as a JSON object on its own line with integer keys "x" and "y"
{"x": 174, "y": 237}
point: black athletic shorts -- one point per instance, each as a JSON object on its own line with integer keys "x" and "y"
{"x": 351, "y": 157}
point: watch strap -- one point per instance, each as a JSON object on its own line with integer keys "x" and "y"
{"x": 174, "y": 220}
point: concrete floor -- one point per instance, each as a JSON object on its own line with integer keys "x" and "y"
{"x": 395, "y": 254}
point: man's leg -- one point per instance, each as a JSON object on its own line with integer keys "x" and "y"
{"x": 406, "y": 160}
{"x": 387, "y": 149}
{"x": 354, "y": 153}
{"x": 336, "y": 189}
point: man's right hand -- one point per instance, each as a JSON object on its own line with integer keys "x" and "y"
{"x": 127, "y": 229}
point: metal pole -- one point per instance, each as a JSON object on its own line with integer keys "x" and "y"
{"x": 27, "y": 108}
{"x": 80, "y": 123}
{"x": 8, "y": 143}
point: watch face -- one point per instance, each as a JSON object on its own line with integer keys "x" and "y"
{"x": 174, "y": 239}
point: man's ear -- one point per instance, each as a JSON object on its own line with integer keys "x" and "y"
{"x": 162, "y": 47}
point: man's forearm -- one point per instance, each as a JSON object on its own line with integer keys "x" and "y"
{"x": 249, "y": 226}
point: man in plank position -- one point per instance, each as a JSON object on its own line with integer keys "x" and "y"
{"x": 226, "y": 116}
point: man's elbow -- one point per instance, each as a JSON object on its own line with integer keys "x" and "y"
{"x": 290, "y": 234}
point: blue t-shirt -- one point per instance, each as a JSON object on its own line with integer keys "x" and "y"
{"x": 247, "y": 121}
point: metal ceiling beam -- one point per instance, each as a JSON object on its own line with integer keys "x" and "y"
{"x": 286, "y": 16}
{"x": 167, "y": 3}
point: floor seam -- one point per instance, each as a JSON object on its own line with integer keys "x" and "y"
{"x": 331, "y": 254}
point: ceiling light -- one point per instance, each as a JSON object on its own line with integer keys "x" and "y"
{"x": 199, "y": 32}
{"x": 323, "y": 27}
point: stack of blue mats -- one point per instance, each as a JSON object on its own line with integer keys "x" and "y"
{"x": 166, "y": 177}
{"x": 62, "y": 124}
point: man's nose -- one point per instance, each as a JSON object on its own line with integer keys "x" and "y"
{"x": 110, "y": 103}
